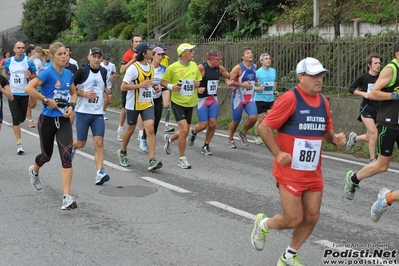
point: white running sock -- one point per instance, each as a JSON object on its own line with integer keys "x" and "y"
{"x": 263, "y": 225}
{"x": 289, "y": 252}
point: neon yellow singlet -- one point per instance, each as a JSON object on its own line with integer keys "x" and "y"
{"x": 176, "y": 72}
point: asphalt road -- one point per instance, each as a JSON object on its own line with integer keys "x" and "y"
{"x": 202, "y": 216}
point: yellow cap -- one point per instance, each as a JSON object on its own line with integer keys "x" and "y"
{"x": 184, "y": 46}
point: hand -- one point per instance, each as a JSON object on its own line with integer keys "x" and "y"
{"x": 275, "y": 93}
{"x": 107, "y": 91}
{"x": 68, "y": 112}
{"x": 366, "y": 95}
{"x": 52, "y": 104}
{"x": 197, "y": 83}
{"x": 28, "y": 73}
{"x": 90, "y": 94}
{"x": 201, "y": 90}
{"x": 229, "y": 82}
{"x": 339, "y": 139}
{"x": 283, "y": 158}
{"x": 157, "y": 88}
{"x": 247, "y": 85}
{"x": 147, "y": 84}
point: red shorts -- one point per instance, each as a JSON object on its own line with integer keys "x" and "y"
{"x": 297, "y": 188}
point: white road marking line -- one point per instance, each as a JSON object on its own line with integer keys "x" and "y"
{"x": 232, "y": 209}
{"x": 164, "y": 184}
{"x": 86, "y": 155}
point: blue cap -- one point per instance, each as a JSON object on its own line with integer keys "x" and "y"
{"x": 143, "y": 47}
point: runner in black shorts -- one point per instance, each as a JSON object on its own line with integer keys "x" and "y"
{"x": 385, "y": 91}
{"x": 362, "y": 86}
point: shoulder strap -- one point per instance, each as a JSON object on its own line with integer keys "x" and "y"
{"x": 103, "y": 72}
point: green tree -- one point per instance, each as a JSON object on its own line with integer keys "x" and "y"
{"x": 89, "y": 17}
{"x": 297, "y": 15}
{"x": 43, "y": 20}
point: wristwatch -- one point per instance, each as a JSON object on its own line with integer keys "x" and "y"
{"x": 45, "y": 101}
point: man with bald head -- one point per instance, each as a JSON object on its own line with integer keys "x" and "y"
{"x": 19, "y": 70}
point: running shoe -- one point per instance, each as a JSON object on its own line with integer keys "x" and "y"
{"x": 183, "y": 163}
{"x": 154, "y": 165}
{"x": 243, "y": 138}
{"x": 31, "y": 124}
{"x": 293, "y": 261}
{"x": 73, "y": 154}
{"x": 191, "y": 138}
{"x": 34, "y": 179}
{"x": 123, "y": 158}
{"x": 351, "y": 141}
{"x": 258, "y": 236}
{"x": 381, "y": 205}
{"x": 350, "y": 187}
{"x": 206, "y": 151}
{"x": 168, "y": 128}
{"x": 168, "y": 145}
{"x": 102, "y": 177}
{"x": 143, "y": 145}
{"x": 119, "y": 134}
{"x": 258, "y": 140}
{"x": 372, "y": 160}
{"x": 68, "y": 203}
{"x": 231, "y": 144}
{"x": 20, "y": 149}
{"x": 105, "y": 116}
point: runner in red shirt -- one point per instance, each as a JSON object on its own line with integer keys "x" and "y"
{"x": 297, "y": 157}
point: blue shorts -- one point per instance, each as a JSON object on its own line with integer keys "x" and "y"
{"x": 207, "y": 108}
{"x": 84, "y": 121}
{"x": 249, "y": 107}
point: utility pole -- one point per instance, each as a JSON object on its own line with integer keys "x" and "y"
{"x": 316, "y": 14}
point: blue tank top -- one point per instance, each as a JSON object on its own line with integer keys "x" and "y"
{"x": 306, "y": 120}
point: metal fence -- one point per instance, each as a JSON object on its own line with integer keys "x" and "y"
{"x": 345, "y": 58}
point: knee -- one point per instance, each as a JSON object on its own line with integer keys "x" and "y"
{"x": 149, "y": 131}
{"x": 382, "y": 167}
{"x": 311, "y": 218}
{"x": 79, "y": 144}
{"x": 212, "y": 124}
{"x": 253, "y": 118}
{"x": 293, "y": 220}
{"x": 184, "y": 131}
{"x": 99, "y": 142}
{"x": 66, "y": 160}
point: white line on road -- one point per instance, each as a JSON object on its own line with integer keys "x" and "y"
{"x": 232, "y": 209}
{"x": 164, "y": 184}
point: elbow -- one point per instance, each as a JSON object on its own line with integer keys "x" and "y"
{"x": 352, "y": 90}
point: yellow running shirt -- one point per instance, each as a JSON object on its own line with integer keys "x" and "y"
{"x": 188, "y": 95}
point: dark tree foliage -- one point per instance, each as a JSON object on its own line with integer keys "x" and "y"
{"x": 43, "y": 20}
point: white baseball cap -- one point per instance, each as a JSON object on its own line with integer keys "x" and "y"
{"x": 310, "y": 66}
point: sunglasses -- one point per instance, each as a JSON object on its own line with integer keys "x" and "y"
{"x": 20, "y": 47}
{"x": 189, "y": 50}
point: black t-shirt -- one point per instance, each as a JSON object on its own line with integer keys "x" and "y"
{"x": 73, "y": 68}
{"x": 3, "y": 82}
{"x": 363, "y": 83}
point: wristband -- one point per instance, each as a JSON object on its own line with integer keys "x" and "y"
{"x": 394, "y": 95}
{"x": 72, "y": 104}
{"x": 170, "y": 86}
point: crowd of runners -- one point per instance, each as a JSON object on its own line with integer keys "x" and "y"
{"x": 292, "y": 128}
